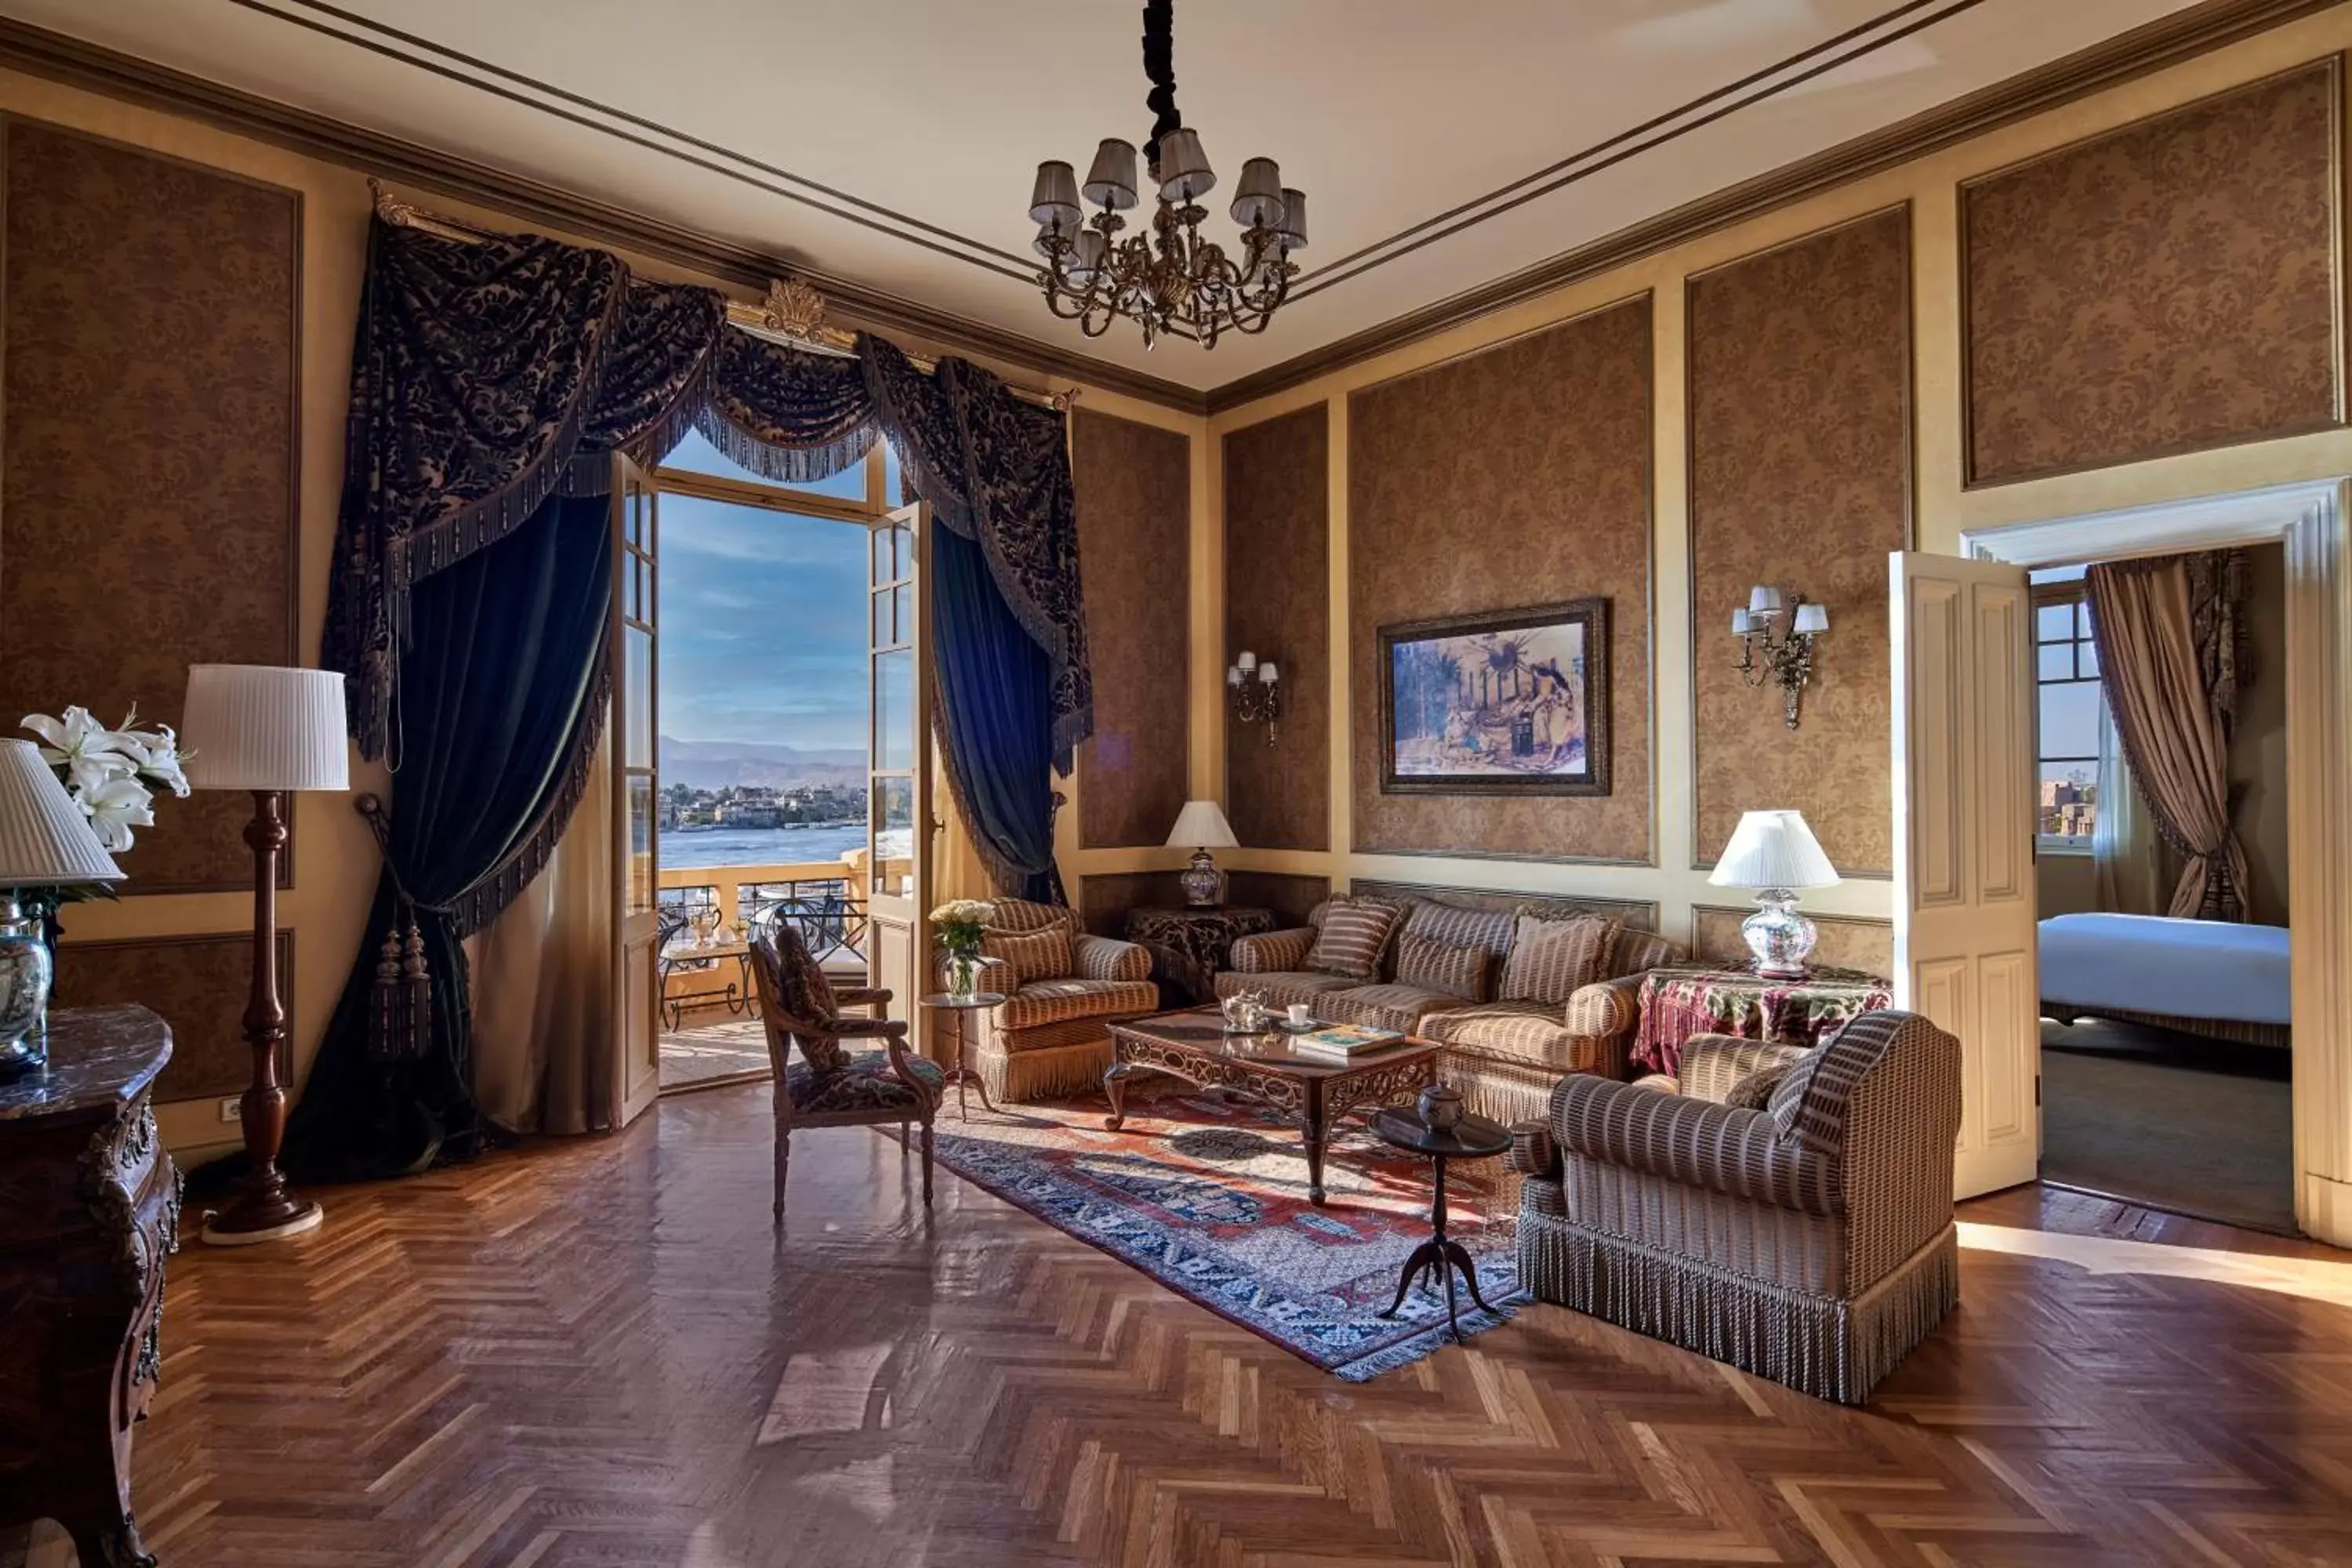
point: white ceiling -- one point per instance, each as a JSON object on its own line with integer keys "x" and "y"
{"x": 1386, "y": 112}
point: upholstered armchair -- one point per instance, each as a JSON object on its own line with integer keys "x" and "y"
{"x": 831, "y": 1087}
{"x": 1800, "y": 1227}
{"x": 1064, "y": 989}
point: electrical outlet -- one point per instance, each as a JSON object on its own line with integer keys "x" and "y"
{"x": 230, "y": 1108}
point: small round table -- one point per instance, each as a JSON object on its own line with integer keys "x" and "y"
{"x": 1472, "y": 1138}
{"x": 956, "y": 1007}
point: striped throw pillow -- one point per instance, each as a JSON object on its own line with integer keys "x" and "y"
{"x": 1039, "y": 955}
{"x": 1354, "y": 934}
{"x": 1552, "y": 960}
{"x": 1448, "y": 967}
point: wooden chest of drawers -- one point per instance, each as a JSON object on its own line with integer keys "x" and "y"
{"x": 90, "y": 1208}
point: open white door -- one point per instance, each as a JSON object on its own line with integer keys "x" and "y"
{"x": 1964, "y": 895}
{"x": 629, "y": 739}
{"x": 898, "y": 767}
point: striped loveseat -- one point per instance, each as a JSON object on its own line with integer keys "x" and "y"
{"x": 1789, "y": 1210}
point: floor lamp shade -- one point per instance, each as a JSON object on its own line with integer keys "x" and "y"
{"x": 258, "y": 727}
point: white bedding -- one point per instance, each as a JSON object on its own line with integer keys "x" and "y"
{"x": 2153, "y": 963}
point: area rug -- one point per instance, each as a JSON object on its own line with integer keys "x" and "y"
{"x": 1207, "y": 1193}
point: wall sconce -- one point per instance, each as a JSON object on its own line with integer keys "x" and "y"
{"x": 1255, "y": 692}
{"x": 1765, "y": 653}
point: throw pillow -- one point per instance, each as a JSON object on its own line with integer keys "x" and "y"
{"x": 1444, "y": 966}
{"x": 1816, "y": 1133}
{"x": 1039, "y": 955}
{"x": 1355, "y": 933}
{"x": 1754, "y": 1092}
{"x": 805, "y": 1001}
{"x": 1553, "y": 959}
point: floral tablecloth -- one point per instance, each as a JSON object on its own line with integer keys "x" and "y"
{"x": 1679, "y": 1003}
{"x": 1190, "y": 945}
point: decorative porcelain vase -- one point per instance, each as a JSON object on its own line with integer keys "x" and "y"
{"x": 1441, "y": 1107}
{"x": 25, "y": 971}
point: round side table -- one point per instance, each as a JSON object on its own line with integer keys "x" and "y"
{"x": 1472, "y": 1138}
{"x": 963, "y": 1072}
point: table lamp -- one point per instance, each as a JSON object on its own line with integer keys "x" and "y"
{"x": 45, "y": 842}
{"x": 1204, "y": 826}
{"x": 1774, "y": 853}
{"x": 254, "y": 727}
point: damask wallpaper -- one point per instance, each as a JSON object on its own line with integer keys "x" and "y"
{"x": 2168, "y": 285}
{"x": 1847, "y": 942}
{"x": 200, "y": 986}
{"x": 1279, "y": 605}
{"x": 1801, "y": 477}
{"x": 1105, "y": 898}
{"x": 1134, "y": 486}
{"x": 1292, "y": 896}
{"x": 147, "y": 450}
{"x": 1514, "y": 477}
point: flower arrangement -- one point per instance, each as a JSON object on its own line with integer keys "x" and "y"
{"x": 961, "y": 925}
{"x": 112, "y": 774}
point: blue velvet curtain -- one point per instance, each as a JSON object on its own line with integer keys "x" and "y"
{"x": 502, "y": 693}
{"x": 995, "y": 719}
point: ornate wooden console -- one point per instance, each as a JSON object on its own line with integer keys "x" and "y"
{"x": 90, "y": 1208}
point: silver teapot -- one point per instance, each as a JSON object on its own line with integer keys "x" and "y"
{"x": 1244, "y": 1013}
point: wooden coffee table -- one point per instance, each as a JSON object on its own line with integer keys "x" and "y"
{"x": 1317, "y": 1090}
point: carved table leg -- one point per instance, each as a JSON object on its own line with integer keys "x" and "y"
{"x": 1115, "y": 1085}
{"x": 1311, "y": 1133}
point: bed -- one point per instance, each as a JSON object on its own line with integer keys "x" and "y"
{"x": 2212, "y": 978}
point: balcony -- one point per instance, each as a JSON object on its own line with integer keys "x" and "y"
{"x": 710, "y": 1012}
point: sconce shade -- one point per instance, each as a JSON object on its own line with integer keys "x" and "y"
{"x": 1245, "y": 661}
{"x": 1267, "y": 673}
{"x": 258, "y": 727}
{"x": 1763, "y": 601}
{"x": 1812, "y": 618}
{"x": 1739, "y": 626}
{"x": 1774, "y": 849}
{"x": 45, "y": 841}
{"x": 1202, "y": 826}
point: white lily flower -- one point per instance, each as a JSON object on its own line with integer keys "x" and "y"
{"x": 114, "y": 808}
{"x": 80, "y": 745}
{"x": 154, "y": 754}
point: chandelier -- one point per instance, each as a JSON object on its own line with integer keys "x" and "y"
{"x": 1172, "y": 280}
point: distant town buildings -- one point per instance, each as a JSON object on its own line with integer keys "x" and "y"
{"x": 756, "y": 806}
{"x": 2070, "y": 807}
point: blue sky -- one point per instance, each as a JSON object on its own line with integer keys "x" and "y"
{"x": 762, "y": 626}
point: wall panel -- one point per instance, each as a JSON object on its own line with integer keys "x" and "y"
{"x": 1800, "y": 386}
{"x": 2170, "y": 286}
{"x": 1518, "y": 476}
{"x": 1104, "y": 896}
{"x": 199, "y": 986}
{"x": 1135, "y": 500}
{"x": 148, "y": 509}
{"x": 1846, "y": 941}
{"x": 1291, "y": 896}
{"x": 1279, "y": 605}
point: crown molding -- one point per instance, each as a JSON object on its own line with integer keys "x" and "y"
{"x": 2197, "y": 30}
{"x": 38, "y": 51}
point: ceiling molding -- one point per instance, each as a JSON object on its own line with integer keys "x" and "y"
{"x": 2166, "y": 42}
{"x": 60, "y": 58}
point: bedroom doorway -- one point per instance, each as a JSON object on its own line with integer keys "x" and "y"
{"x": 1967, "y": 757}
{"x": 2166, "y": 1068}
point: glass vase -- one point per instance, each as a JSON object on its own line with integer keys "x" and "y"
{"x": 963, "y": 975}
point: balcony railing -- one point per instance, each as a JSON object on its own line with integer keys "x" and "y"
{"x": 824, "y": 900}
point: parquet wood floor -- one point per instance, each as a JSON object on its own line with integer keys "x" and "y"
{"x": 596, "y": 1353}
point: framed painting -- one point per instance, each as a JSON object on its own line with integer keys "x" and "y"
{"x": 1512, "y": 702}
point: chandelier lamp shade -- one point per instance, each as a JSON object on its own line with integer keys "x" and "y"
{"x": 1170, "y": 281}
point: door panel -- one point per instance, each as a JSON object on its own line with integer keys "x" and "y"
{"x": 899, "y": 768}
{"x": 1964, "y": 887}
{"x": 633, "y": 650}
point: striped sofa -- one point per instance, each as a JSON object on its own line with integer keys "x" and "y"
{"x": 1503, "y": 1056}
{"x": 1808, "y": 1238}
{"x": 1051, "y": 1036}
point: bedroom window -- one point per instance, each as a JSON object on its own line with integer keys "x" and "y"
{"x": 2068, "y": 714}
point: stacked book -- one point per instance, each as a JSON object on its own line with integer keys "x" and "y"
{"x": 1344, "y": 1042}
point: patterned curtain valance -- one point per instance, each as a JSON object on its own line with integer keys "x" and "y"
{"x": 490, "y": 377}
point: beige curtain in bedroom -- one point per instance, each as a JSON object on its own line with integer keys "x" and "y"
{"x": 542, "y": 984}
{"x": 2168, "y": 665}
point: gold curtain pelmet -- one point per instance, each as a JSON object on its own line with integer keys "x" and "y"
{"x": 792, "y": 313}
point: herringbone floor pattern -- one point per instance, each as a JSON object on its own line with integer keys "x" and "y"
{"x": 597, "y": 1354}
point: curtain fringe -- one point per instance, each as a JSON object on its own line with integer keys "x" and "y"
{"x": 783, "y": 464}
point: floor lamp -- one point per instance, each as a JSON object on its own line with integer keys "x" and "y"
{"x": 269, "y": 730}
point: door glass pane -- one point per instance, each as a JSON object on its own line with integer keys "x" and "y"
{"x": 894, "y": 708}
{"x": 894, "y": 835}
{"x": 902, "y": 553}
{"x": 641, "y": 845}
{"x": 881, "y": 630}
{"x": 903, "y": 613}
{"x": 640, "y": 700}
{"x": 881, "y": 556}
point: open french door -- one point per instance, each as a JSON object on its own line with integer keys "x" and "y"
{"x": 1965, "y": 906}
{"x": 898, "y": 765}
{"x": 631, "y": 645}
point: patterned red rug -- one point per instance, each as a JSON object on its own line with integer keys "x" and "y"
{"x": 1207, "y": 1193}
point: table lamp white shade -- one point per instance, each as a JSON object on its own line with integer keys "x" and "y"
{"x": 258, "y": 727}
{"x": 1201, "y": 825}
{"x": 1774, "y": 849}
{"x": 45, "y": 841}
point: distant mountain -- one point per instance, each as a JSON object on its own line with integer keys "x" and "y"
{"x": 715, "y": 764}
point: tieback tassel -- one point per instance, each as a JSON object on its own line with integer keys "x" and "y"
{"x": 416, "y": 994}
{"x": 385, "y": 998}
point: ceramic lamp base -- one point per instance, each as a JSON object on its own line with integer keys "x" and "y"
{"x": 25, "y": 971}
{"x": 1205, "y": 885}
{"x": 1780, "y": 937}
